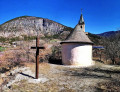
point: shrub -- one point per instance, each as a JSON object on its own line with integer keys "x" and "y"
{"x": 2, "y": 48}
{"x": 56, "y": 56}
{"x": 27, "y": 38}
{"x": 3, "y": 39}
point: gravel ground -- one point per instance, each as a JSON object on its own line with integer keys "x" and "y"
{"x": 24, "y": 73}
{"x": 59, "y": 78}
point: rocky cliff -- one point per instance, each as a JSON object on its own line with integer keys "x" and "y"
{"x": 28, "y": 25}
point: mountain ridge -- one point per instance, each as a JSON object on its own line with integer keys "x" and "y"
{"x": 30, "y": 25}
{"x": 29, "y": 16}
{"x": 108, "y": 33}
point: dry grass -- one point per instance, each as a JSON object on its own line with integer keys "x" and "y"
{"x": 65, "y": 79}
{"x": 5, "y": 60}
{"x": 1, "y": 81}
{"x": 50, "y": 86}
{"x": 44, "y": 68}
{"x": 61, "y": 79}
{"x": 8, "y": 60}
{"x": 109, "y": 86}
{"x": 14, "y": 56}
{"x": 45, "y": 87}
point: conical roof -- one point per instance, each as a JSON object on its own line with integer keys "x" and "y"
{"x": 77, "y": 36}
{"x": 81, "y": 21}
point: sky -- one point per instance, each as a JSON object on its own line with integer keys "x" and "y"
{"x": 99, "y": 15}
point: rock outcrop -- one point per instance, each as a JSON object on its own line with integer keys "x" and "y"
{"x": 30, "y": 26}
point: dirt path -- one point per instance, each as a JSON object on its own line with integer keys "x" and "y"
{"x": 59, "y": 78}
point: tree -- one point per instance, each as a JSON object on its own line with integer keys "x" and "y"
{"x": 112, "y": 47}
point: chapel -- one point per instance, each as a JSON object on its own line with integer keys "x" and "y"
{"x": 77, "y": 47}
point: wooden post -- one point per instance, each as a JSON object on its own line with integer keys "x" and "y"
{"x": 37, "y": 57}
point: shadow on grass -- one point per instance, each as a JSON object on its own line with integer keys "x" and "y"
{"x": 92, "y": 73}
{"x": 3, "y": 70}
{"x": 55, "y": 61}
{"x": 111, "y": 86}
{"x": 86, "y": 75}
{"x": 98, "y": 60}
{"x": 9, "y": 67}
{"x": 27, "y": 75}
{"x": 102, "y": 70}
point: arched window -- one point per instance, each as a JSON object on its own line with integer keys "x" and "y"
{"x": 81, "y": 26}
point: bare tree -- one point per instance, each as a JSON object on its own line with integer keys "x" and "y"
{"x": 112, "y": 47}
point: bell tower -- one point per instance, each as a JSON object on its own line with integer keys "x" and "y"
{"x": 81, "y": 22}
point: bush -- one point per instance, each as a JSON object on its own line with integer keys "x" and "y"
{"x": 56, "y": 56}
{"x": 3, "y": 39}
{"x": 27, "y": 38}
{"x": 2, "y": 48}
{"x": 68, "y": 29}
{"x": 10, "y": 40}
{"x": 51, "y": 37}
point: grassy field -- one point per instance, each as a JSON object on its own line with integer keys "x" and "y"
{"x": 2, "y": 49}
{"x": 97, "y": 78}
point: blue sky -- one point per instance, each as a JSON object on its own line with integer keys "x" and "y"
{"x": 99, "y": 15}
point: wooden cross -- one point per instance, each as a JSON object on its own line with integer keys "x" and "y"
{"x": 37, "y": 56}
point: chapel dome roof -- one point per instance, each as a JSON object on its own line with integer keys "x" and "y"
{"x": 77, "y": 36}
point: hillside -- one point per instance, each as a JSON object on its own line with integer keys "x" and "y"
{"x": 109, "y": 33}
{"x": 96, "y": 39}
{"x": 28, "y": 25}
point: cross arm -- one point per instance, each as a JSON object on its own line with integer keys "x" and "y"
{"x": 38, "y": 47}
